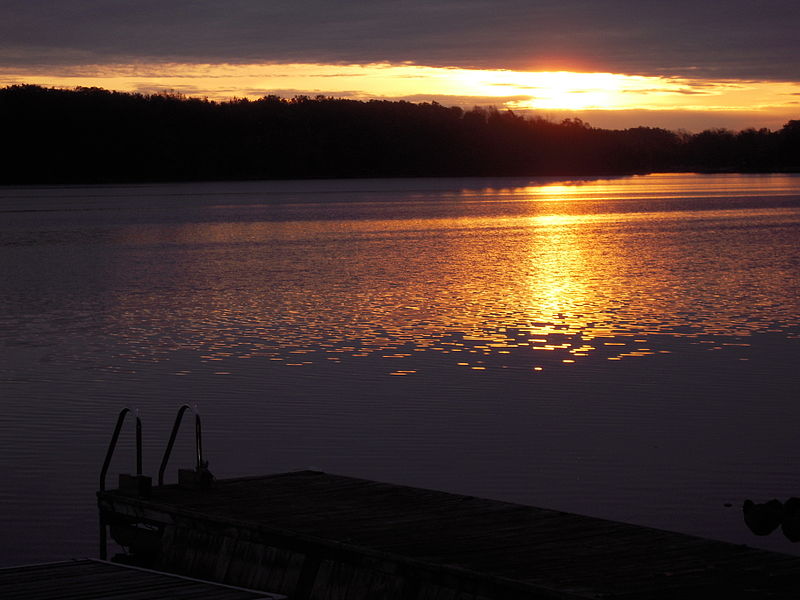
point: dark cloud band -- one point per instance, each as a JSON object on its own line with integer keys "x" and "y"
{"x": 727, "y": 39}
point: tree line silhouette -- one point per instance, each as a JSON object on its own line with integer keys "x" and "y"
{"x": 91, "y": 135}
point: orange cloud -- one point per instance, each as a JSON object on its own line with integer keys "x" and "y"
{"x": 518, "y": 90}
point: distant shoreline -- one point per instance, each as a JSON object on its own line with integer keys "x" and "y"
{"x": 94, "y": 136}
{"x": 554, "y": 177}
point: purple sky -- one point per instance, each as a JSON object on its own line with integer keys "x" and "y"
{"x": 725, "y": 39}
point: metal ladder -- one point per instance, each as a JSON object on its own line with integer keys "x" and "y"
{"x": 140, "y": 484}
{"x": 201, "y": 466}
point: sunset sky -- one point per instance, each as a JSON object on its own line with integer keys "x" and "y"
{"x": 614, "y": 63}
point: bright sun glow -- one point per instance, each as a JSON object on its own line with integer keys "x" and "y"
{"x": 559, "y": 90}
{"x": 516, "y": 90}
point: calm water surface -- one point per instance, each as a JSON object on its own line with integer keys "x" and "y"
{"x": 624, "y": 348}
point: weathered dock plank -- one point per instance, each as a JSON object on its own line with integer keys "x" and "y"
{"x": 89, "y": 579}
{"x": 318, "y": 536}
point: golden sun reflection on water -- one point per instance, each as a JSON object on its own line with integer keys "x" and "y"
{"x": 529, "y": 278}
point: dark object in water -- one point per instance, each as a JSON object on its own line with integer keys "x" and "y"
{"x": 791, "y": 519}
{"x": 763, "y": 519}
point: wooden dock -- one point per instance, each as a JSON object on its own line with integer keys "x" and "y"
{"x": 317, "y": 536}
{"x": 99, "y": 580}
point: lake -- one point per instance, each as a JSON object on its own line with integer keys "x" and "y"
{"x": 625, "y": 348}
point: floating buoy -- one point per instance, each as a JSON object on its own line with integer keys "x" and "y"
{"x": 791, "y": 519}
{"x": 763, "y": 519}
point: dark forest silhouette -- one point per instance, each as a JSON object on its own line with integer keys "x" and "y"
{"x": 90, "y": 135}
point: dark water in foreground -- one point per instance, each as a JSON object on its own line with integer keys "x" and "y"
{"x": 622, "y": 348}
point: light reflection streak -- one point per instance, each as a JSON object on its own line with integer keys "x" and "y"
{"x": 524, "y": 284}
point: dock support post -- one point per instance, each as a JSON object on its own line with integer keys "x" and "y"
{"x": 103, "y": 538}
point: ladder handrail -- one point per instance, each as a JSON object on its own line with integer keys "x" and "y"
{"x": 113, "y": 444}
{"x": 198, "y": 440}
